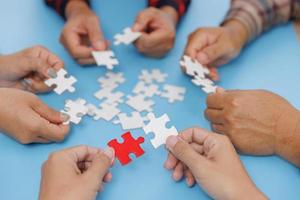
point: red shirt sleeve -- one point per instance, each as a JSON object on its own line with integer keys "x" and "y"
{"x": 60, "y": 5}
{"x": 180, "y": 6}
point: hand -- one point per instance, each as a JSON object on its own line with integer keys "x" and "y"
{"x": 28, "y": 120}
{"x": 75, "y": 173}
{"x": 158, "y": 27}
{"x": 211, "y": 160}
{"x": 257, "y": 122}
{"x": 213, "y": 47}
{"x": 82, "y": 33}
{"x": 28, "y": 69}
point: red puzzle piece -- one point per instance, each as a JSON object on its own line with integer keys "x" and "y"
{"x": 130, "y": 145}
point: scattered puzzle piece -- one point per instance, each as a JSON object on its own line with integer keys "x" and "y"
{"x": 134, "y": 121}
{"x": 154, "y": 75}
{"x": 106, "y": 58}
{"x": 206, "y": 84}
{"x": 109, "y": 96}
{"x": 157, "y": 126}
{"x": 62, "y": 82}
{"x": 127, "y": 37}
{"x": 173, "y": 93}
{"x": 105, "y": 111}
{"x": 76, "y": 110}
{"x": 147, "y": 90}
{"x": 129, "y": 145}
{"x": 111, "y": 80}
{"x": 140, "y": 103}
{"x": 193, "y": 67}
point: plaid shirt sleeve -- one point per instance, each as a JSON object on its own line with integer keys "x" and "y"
{"x": 260, "y": 15}
{"x": 180, "y": 6}
{"x": 60, "y": 5}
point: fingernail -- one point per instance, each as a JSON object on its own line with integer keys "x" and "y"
{"x": 26, "y": 82}
{"x": 171, "y": 141}
{"x": 202, "y": 58}
{"x": 110, "y": 153}
{"x": 100, "y": 45}
{"x": 64, "y": 117}
{"x": 51, "y": 73}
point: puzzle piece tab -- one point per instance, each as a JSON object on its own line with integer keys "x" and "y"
{"x": 129, "y": 145}
{"x": 157, "y": 126}
{"x": 173, "y": 93}
{"x": 127, "y": 37}
{"x": 105, "y": 58}
{"x": 76, "y": 110}
{"x": 134, "y": 121}
{"x": 62, "y": 82}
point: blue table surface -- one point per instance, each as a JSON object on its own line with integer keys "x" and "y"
{"x": 271, "y": 62}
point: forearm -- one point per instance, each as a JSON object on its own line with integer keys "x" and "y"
{"x": 180, "y": 6}
{"x": 259, "y": 15}
{"x": 75, "y": 7}
{"x": 288, "y": 145}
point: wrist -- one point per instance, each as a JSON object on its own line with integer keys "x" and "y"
{"x": 252, "y": 192}
{"x": 172, "y": 13}
{"x": 237, "y": 31}
{"x": 75, "y": 7}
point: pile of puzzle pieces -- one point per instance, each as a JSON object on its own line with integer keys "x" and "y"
{"x": 150, "y": 83}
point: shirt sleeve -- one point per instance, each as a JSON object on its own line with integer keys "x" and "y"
{"x": 260, "y": 15}
{"x": 60, "y": 5}
{"x": 180, "y": 6}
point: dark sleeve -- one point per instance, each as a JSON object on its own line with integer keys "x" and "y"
{"x": 60, "y": 5}
{"x": 180, "y": 6}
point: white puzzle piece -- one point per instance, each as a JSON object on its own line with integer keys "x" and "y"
{"x": 206, "y": 84}
{"x": 134, "y": 121}
{"x": 111, "y": 80}
{"x": 76, "y": 110}
{"x": 193, "y": 67}
{"x": 147, "y": 90}
{"x": 109, "y": 96}
{"x": 140, "y": 103}
{"x": 157, "y": 126}
{"x": 105, "y": 58}
{"x": 127, "y": 37}
{"x": 154, "y": 75}
{"x": 105, "y": 111}
{"x": 62, "y": 82}
{"x": 173, "y": 93}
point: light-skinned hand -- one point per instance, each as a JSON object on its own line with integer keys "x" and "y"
{"x": 158, "y": 27}
{"x": 28, "y": 120}
{"x": 76, "y": 173}
{"x": 28, "y": 69}
{"x": 211, "y": 161}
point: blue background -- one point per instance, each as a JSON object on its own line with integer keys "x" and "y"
{"x": 272, "y": 63}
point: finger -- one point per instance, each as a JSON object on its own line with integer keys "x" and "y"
{"x": 178, "y": 172}
{"x": 215, "y": 100}
{"x": 171, "y": 162}
{"x": 218, "y": 128}
{"x": 195, "y": 43}
{"x": 41, "y": 140}
{"x": 211, "y": 53}
{"x": 194, "y": 135}
{"x": 55, "y": 62}
{"x": 37, "y": 65}
{"x": 142, "y": 21}
{"x": 72, "y": 42}
{"x": 215, "y": 116}
{"x": 189, "y": 178}
{"x": 48, "y": 113}
{"x": 197, "y": 147}
{"x": 184, "y": 152}
{"x": 108, "y": 177}
{"x": 152, "y": 40}
{"x": 37, "y": 86}
{"x": 100, "y": 165}
{"x": 52, "y": 132}
{"x": 214, "y": 74}
{"x": 86, "y": 61}
{"x": 95, "y": 35}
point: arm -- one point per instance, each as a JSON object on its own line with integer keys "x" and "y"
{"x": 258, "y": 16}
{"x": 60, "y": 5}
{"x": 180, "y": 6}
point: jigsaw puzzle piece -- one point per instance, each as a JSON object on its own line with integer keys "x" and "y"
{"x": 134, "y": 121}
{"x": 193, "y": 68}
{"x": 140, "y": 103}
{"x": 157, "y": 126}
{"x": 173, "y": 93}
{"x": 61, "y": 82}
{"x": 105, "y": 58}
{"x": 206, "y": 84}
{"x": 129, "y": 145}
{"x": 147, "y": 90}
{"x": 154, "y": 75}
{"x": 127, "y": 37}
{"x": 75, "y": 110}
{"x": 109, "y": 96}
{"x": 111, "y": 80}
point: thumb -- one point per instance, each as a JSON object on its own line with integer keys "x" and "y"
{"x": 100, "y": 165}
{"x": 142, "y": 22}
{"x": 184, "y": 152}
{"x": 48, "y": 113}
{"x": 96, "y": 36}
{"x": 211, "y": 53}
{"x": 41, "y": 66}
